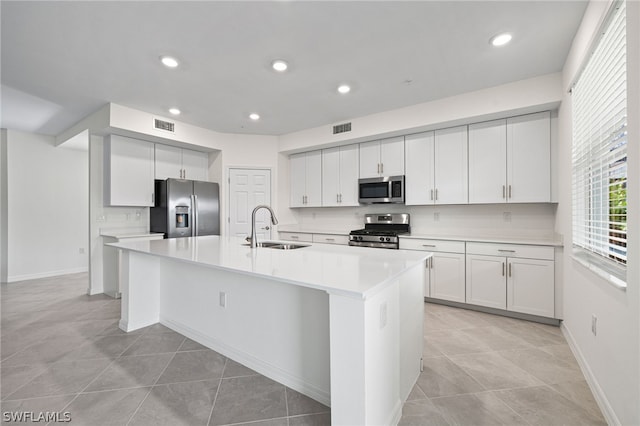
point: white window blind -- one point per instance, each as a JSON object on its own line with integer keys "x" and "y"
{"x": 599, "y": 154}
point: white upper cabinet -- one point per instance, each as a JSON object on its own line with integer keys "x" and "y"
{"x": 340, "y": 176}
{"x": 510, "y": 160}
{"x": 195, "y": 165}
{"x": 179, "y": 163}
{"x": 488, "y": 162}
{"x": 128, "y": 172}
{"x": 436, "y": 167}
{"x": 529, "y": 158}
{"x": 419, "y": 169}
{"x": 306, "y": 179}
{"x": 382, "y": 158}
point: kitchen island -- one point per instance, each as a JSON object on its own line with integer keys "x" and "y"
{"x": 340, "y": 324}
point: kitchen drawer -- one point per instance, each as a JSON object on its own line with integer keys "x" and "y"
{"x": 295, "y": 236}
{"x": 511, "y": 250}
{"x": 432, "y": 245}
{"x": 331, "y": 239}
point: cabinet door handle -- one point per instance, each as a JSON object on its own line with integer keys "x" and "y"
{"x": 431, "y": 262}
{"x": 510, "y": 269}
{"x": 337, "y": 198}
{"x": 436, "y": 194}
{"x": 503, "y": 269}
{"x": 381, "y": 167}
{"x": 432, "y": 195}
{"x": 153, "y": 198}
{"x": 504, "y": 191}
{"x": 509, "y": 191}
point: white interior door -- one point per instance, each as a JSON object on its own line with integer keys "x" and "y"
{"x": 247, "y": 189}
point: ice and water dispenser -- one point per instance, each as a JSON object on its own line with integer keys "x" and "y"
{"x": 182, "y": 217}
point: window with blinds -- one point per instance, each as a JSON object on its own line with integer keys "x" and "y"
{"x": 599, "y": 154}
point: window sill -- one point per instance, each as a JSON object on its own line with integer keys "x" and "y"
{"x": 616, "y": 278}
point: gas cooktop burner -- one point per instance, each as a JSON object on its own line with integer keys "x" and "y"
{"x": 380, "y": 231}
{"x": 376, "y": 232}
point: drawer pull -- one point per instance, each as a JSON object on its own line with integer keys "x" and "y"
{"x": 507, "y": 251}
{"x": 428, "y": 245}
{"x": 294, "y": 237}
{"x": 330, "y": 239}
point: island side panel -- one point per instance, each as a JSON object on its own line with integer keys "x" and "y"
{"x": 411, "y": 327}
{"x": 376, "y": 351}
{"x": 140, "y": 287}
{"x": 278, "y": 329}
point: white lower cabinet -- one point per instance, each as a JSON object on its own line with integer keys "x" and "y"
{"x": 486, "y": 284}
{"x": 530, "y": 287}
{"x": 295, "y": 236}
{"x": 518, "y": 278}
{"x": 330, "y": 239}
{"x": 314, "y": 238}
{"x": 445, "y": 278}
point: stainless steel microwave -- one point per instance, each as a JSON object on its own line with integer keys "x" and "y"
{"x": 388, "y": 189}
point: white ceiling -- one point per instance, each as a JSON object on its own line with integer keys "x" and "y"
{"x": 62, "y": 61}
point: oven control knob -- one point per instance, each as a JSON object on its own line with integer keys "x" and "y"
{"x": 381, "y": 238}
{"x": 359, "y": 238}
{"x": 388, "y": 239}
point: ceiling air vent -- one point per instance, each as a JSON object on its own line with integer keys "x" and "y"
{"x": 167, "y": 126}
{"x": 341, "y": 128}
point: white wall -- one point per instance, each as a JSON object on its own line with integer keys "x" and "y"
{"x": 611, "y": 359}
{"x": 105, "y": 219}
{"x": 247, "y": 151}
{"x": 3, "y": 206}
{"x": 47, "y": 207}
{"x": 520, "y": 97}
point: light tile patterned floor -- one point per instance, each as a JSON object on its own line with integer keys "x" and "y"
{"x": 62, "y": 351}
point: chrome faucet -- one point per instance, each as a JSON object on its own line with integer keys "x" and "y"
{"x": 253, "y": 238}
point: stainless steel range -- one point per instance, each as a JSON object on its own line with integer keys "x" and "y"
{"x": 381, "y": 230}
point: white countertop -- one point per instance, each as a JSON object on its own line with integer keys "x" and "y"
{"x": 346, "y": 270}
{"x": 306, "y": 230}
{"x": 543, "y": 240}
{"x": 528, "y": 240}
{"x": 130, "y": 234}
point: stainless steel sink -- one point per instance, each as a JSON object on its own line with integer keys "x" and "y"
{"x": 265, "y": 244}
{"x": 280, "y": 246}
{"x": 288, "y": 246}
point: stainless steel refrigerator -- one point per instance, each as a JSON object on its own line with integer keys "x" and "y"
{"x": 186, "y": 208}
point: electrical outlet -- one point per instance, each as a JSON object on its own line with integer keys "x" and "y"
{"x": 594, "y": 323}
{"x": 506, "y": 216}
{"x": 383, "y": 315}
{"x": 81, "y": 250}
{"x": 223, "y": 299}
{"x": 436, "y": 217}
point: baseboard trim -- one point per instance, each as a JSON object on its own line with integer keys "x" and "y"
{"x": 596, "y": 390}
{"x": 502, "y": 312}
{"x": 26, "y": 277}
{"x": 252, "y": 362}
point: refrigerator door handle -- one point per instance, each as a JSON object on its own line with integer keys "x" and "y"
{"x": 194, "y": 209}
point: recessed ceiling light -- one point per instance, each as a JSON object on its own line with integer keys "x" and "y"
{"x": 343, "y": 88}
{"x": 254, "y": 116}
{"x": 279, "y": 65}
{"x": 169, "y": 62}
{"x": 500, "y": 39}
{"x": 174, "y": 111}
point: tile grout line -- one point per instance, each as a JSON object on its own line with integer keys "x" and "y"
{"x": 215, "y": 398}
